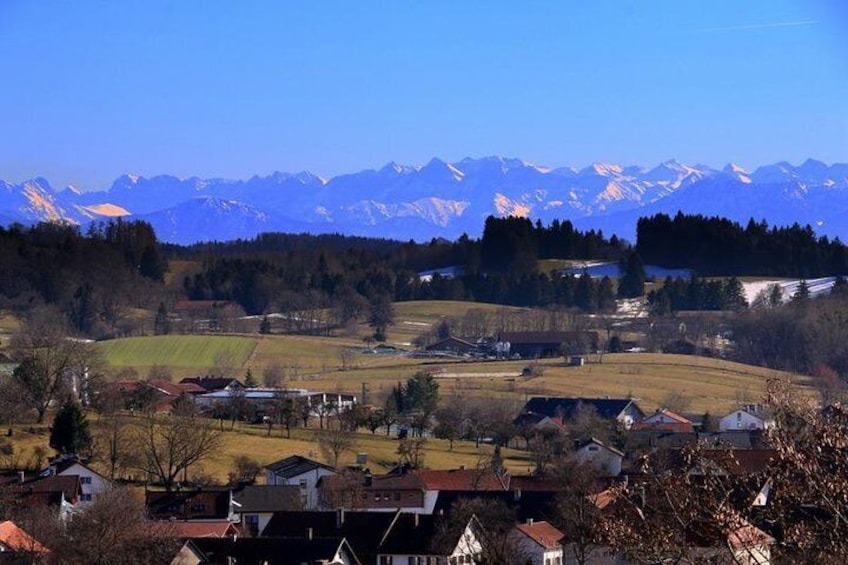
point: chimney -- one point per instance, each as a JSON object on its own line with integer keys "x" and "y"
{"x": 340, "y": 517}
{"x": 529, "y": 521}
{"x": 309, "y": 534}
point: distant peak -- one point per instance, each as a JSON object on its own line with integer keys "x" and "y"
{"x": 603, "y": 169}
{"x": 733, "y": 168}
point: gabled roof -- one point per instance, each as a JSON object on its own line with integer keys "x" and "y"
{"x": 16, "y": 539}
{"x": 606, "y": 408}
{"x": 201, "y": 529}
{"x": 272, "y": 551}
{"x": 295, "y": 465}
{"x": 210, "y": 384}
{"x": 267, "y": 498}
{"x": 416, "y": 534}
{"x": 62, "y": 466}
{"x": 362, "y": 530}
{"x": 542, "y": 533}
{"x": 599, "y": 443}
{"x": 49, "y": 491}
{"x": 166, "y": 387}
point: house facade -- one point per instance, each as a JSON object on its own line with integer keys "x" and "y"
{"x": 749, "y": 417}
{"x": 301, "y": 472}
{"x": 538, "y": 543}
{"x": 606, "y": 459}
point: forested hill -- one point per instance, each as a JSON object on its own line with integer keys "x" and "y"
{"x": 102, "y": 281}
{"x": 718, "y": 247}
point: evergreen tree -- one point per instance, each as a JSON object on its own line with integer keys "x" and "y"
{"x": 249, "y": 379}
{"x": 162, "y": 325}
{"x": 632, "y": 283}
{"x": 70, "y": 432}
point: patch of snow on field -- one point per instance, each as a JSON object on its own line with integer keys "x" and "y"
{"x": 818, "y": 287}
{"x": 632, "y": 307}
{"x": 411, "y": 323}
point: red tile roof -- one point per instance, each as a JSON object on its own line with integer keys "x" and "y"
{"x": 205, "y": 529}
{"x": 15, "y": 539}
{"x": 542, "y": 533}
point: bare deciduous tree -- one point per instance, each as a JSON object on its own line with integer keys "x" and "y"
{"x": 167, "y": 445}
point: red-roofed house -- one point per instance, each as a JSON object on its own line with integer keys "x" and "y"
{"x": 15, "y": 541}
{"x": 538, "y": 542}
{"x": 665, "y": 421}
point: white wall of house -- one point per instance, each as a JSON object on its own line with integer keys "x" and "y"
{"x": 601, "y": 457}
{"x": 92, "y": 484}
{"x": 742, "y": 420}
{"x": 308, "y": 483}
{"x": 535, "y": 553}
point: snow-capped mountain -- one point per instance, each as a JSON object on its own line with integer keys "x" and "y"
{"x": 446, "y": 199}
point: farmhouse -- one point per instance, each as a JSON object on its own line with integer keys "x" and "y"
{"x": 453, "y": 345}
{"x": 625, "y": 411}
{"x": 532, "y": 345}
{"x": 539, "y": 543}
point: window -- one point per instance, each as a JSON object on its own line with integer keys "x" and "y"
{"x": 302, "y": 483}
{"x": 85, "y": 480}
{"x": 592, "y": 448}
{"x": 385, "y": 560}
{"x": 200, "y": 507}
{"x": 85, "y": 497}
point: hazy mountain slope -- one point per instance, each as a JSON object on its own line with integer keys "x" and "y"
{"x": 446, "y": 199}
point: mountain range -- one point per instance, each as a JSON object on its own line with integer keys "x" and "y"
{"x": 443, "y": 199}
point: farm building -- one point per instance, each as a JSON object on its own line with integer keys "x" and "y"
{"x": 532, "y": 345}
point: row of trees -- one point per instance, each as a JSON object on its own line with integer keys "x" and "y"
{"x": 719, "y": 247}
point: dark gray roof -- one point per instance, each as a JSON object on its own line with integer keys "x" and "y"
{"x": 606, "y": 408}
{"x": 362, "y": 530}
{"x": 294, "y": 466}
{"x": 273, "y": 551}
{"x": 267, "y": 498}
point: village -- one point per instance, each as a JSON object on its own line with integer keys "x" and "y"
{"x": 585, "y": 455}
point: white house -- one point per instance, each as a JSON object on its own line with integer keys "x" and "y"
{"x": 539, "y": 543}
{"x": 92, "y": 483}
{"x": 302, "y": 472}
{"x": 749, "y": 417}
{"x": 410, "y": 541}
{"x": 604, "y": 458}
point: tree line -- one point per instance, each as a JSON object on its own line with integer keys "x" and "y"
{"x": 719, "y": 247}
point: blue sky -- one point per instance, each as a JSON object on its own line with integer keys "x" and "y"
{"x": 95, "y": 89}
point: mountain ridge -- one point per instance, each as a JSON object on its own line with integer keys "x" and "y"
{"x": 442, "y": 199}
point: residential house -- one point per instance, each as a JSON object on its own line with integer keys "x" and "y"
{"x": 92, "y": 483}
{"x": 59, "y": 493}
{"x": 302, "y": 472}
{"x": 624, "y": 411}
{"x": 269, "y": 551}
{"x": 749, "y": 417}
{"x": 605, "y": 458}
{"x": 207, "y": 504}
{"x": 17, "y": 546}
{"x": 533, "y": 345}
{"x": 538, "y": 543}
{"x": 254, "y": 505}
{"x": 666, "y": 421}
{"x": 363, "y": 530}
{"x": 416, "y": 539}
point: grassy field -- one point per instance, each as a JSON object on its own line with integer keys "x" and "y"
{"x": 184, "y": 353}
{"x": 253, "y": 441}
